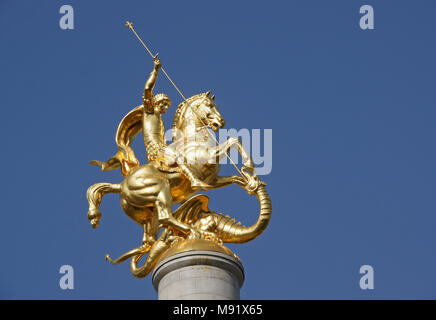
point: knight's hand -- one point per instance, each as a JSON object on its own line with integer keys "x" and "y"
{"x": 157, "y": 63}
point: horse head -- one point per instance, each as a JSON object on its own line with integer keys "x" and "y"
{"x": 198, "y": 111}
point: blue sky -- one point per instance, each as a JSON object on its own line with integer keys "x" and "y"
{"x": 353, "y": 120}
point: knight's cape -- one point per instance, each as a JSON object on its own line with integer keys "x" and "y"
{"x": 128, "y": 129}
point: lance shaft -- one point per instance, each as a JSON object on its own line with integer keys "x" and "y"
{"x": 130, "y": 26}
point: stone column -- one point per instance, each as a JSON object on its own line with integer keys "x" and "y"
{"x": 198, "y": 275}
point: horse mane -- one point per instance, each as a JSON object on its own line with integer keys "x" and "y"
{"x": 181, "y": 109}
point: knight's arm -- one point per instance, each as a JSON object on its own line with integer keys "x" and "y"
{"x": 147, "y": 98}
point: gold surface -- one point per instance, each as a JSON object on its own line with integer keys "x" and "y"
{"x": 197, "y": 245}
{"x": 148, "y": 191}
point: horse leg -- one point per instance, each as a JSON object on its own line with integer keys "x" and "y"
{"x": 234, "y": 142}
{"x": 151, "y": 229}
{"x": 164, "y": 206}
{"x": 94, "y": 195}
{"x": 249, "y": 181}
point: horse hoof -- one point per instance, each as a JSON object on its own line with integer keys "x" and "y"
{"x": 94, "y": 223}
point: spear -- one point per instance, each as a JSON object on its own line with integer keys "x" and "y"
{"x": 130, "y": 26}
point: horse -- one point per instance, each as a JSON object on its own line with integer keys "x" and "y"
{"x": 148, "y": 192}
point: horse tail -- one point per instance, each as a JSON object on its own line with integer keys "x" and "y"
{"x": 94, "y": 195}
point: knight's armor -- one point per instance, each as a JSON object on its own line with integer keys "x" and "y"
{"x": 154, "y": 138}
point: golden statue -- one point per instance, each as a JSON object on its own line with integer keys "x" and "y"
{"x": 174, "y": 174}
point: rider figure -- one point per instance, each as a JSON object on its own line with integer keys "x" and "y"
{"x": 154, "y": 131}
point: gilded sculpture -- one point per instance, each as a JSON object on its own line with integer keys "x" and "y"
{"x": 174, "y": 174}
